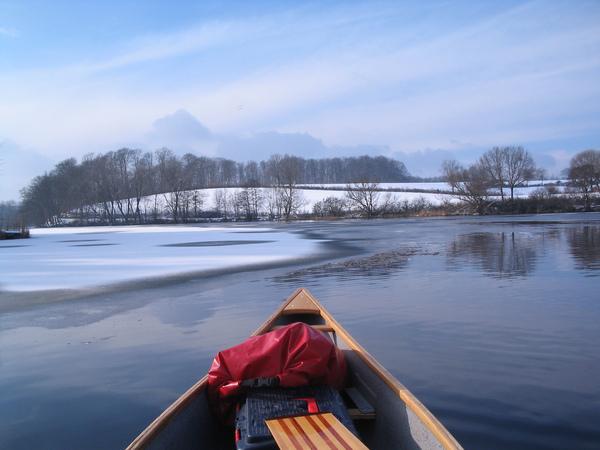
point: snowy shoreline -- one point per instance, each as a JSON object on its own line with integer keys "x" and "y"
{"x": 92, "y": 259}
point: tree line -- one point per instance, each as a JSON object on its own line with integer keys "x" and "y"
{"x": 9, "y": 216}
{"x": 129, "y": 186}
{"x": 111, "y": 186}
{"x": 502, "y": 169}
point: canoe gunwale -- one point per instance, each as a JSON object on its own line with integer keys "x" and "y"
{"x": 429, "y": 420}
{"x": 443, "y": 436}
{"x": 146, "y": 436}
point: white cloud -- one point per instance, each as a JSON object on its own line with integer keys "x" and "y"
{"x": 10, "y": 32}
{"x": 181, "y": 132}
{"x": 528, "y": 73}
{"x": 168, "y": 45}
{"x": 484, "y": 71}
{"x": 512, "y": 109}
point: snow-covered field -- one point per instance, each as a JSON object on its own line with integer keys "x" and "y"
{"x": 523, "y": 191}
{"x": 223, "y": 200}
{"x": 68, "y": 258}
{"x": 309, "y": 196}
{"x": 425, "y": 186}
{"x": 312, "y": 196}
{"x": 319, "y": 192}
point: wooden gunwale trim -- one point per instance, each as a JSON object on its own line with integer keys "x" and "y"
{"x": 146, "y": 436}
{"x": 429, "y": 420}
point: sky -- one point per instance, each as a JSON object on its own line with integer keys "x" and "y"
{"x": 418, "y": 81}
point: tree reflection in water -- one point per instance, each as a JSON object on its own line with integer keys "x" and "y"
{"x": 584, "y": 244}
{"x": 500, "y": 255}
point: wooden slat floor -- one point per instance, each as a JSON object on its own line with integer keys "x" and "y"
{"x": 321, "y": 431}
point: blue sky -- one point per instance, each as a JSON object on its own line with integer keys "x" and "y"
{"x": 421, "y": 81}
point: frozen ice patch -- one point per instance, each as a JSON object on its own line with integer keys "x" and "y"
{"x": 72, "y": 258}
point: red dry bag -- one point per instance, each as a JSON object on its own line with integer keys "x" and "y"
{"x": 295, "y": 355}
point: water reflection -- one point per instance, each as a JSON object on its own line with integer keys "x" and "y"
{"x": 500, "y": 255}
{"x": 584, "y": 245}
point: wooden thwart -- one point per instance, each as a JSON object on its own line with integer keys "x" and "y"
{"x": 321, "y": 431}
{"x": 324, "y": 328}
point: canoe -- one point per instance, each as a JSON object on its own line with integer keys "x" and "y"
{"x": 385, "y": 413}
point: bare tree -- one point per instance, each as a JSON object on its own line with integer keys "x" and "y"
{"x": 89, "y": 189}
{"x": 364, "y": 196}
{"x": 123, "y": 163}
{"x": 452, "y": 171}
{"x": 285, "y": 172}
{"x": 584, "y": 174}
{"x": 290, "y": 200}
{"x": 192, "y": 171}
{"x": 469, "y": 185}
{"x": 494, "y": 162}
{"x": 273, "y": 203}
{"x": 507, "y": 166}
{"x": 197, "y": 201}
{"x": 65, "y": 179}
{"x": 108, "y": 185}
{"x": 330, "y": 207}
{"x": 387, "y": 204}
{"x": 141, "y": 179}
{"x": 237, "y": 205}
{"x": 38, "y": 202}
{"x": 519, "y": 167}
{"x": 172, "y": 182}
{"x": 250, "y": 199}
{"x": 222, "y": 203}
{"x": 10, "y": 217}
{"x": 541, "y": 174}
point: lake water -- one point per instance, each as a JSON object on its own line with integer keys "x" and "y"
{"x": 493, "y": 323}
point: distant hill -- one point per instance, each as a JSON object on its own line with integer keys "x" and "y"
{"x": 110, "y": 179}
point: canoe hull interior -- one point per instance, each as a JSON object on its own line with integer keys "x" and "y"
{"x": 399, "y": 421}
{"x": 394, "y": 426}
{"x": 194, "y": 427}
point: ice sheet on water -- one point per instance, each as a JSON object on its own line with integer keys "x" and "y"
{"x": 71, "y": 258}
